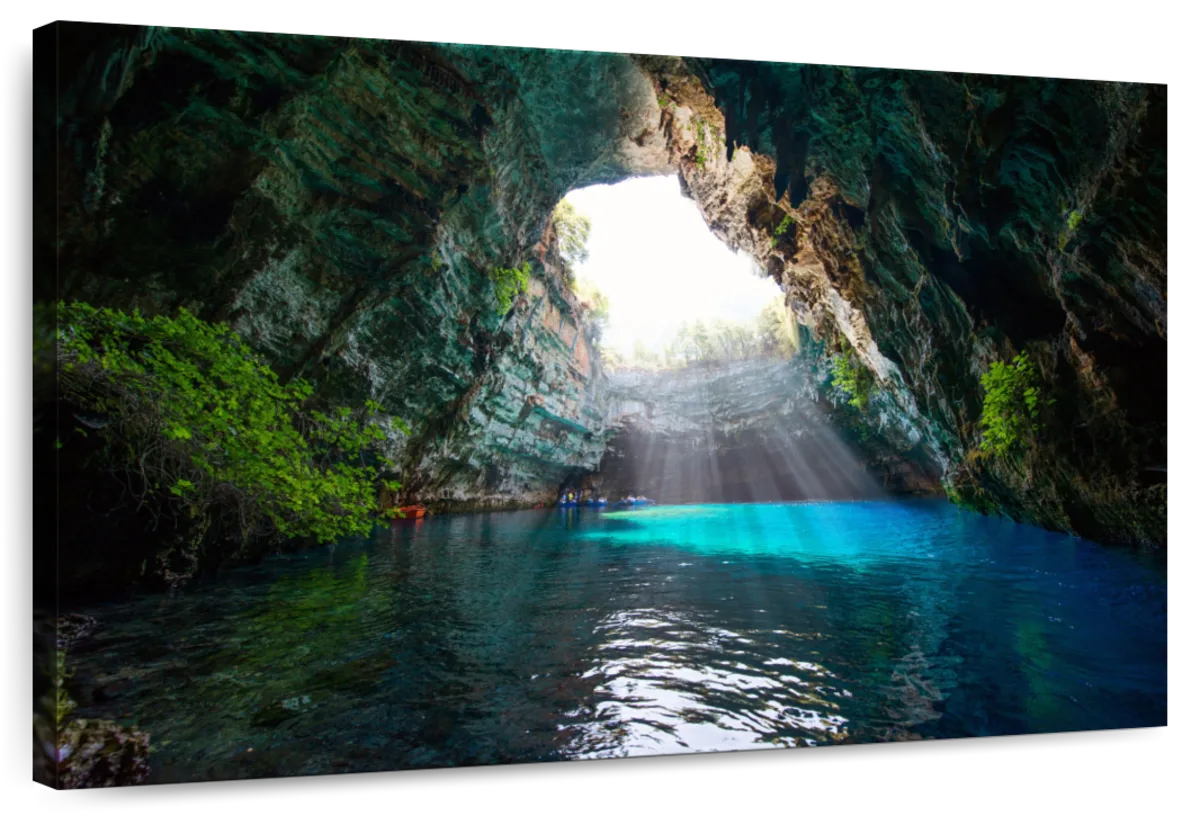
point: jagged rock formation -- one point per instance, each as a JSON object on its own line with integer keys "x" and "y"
{"x": 342, "y": 203}
{"x": 943, "y": 222}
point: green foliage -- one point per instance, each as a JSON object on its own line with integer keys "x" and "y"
{"x": 706, "y": 147}
{"x": 509, "y": 284}
{"x": 777, "y": 331}
{"x": 199, "y": 427}
{"x": 1074, "y": 219}
{"x": 571, "y": 230}
{"x": 1012, "y": 406}
{"x": 852, "y": 379}
{"x": 772, "y": 333}
{"x": 783, "y": 227}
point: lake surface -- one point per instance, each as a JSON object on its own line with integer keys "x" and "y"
{"x": 566, "y": 634}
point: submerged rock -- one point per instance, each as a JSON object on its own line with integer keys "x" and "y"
{"x": 101, "y": 754}
{"x": 72, "y": 628}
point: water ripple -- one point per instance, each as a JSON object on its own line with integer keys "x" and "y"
{"x": 539, "y": 636}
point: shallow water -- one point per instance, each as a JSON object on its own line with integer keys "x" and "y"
{"x": 543, "y": 635}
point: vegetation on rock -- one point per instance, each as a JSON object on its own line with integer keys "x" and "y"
{"x": 1074, "y": 219}
{"x": 571, "y": 230}
{"x": 509, "y": 284}
{"x": 1012, "y": 405}
{"x": 781, "y": 230}
{"x": 852, "y": 379}
{"x": 200, "y": 431}
{"x": 705, "y": 148}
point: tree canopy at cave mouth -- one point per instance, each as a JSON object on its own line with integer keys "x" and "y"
{"x": 672, "y": 291}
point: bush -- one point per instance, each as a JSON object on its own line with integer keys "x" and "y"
{"x": 1012, "y": 404}
{"x": 199, "y": 428}
{"x": 852, "y": 379}
{"x": 572, "y": 229}
{"x": 509, "y": 283}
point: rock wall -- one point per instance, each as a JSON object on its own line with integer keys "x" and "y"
{"x": 342, "y": 203}
{"x": 942, "y": 222}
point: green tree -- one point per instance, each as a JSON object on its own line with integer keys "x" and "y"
{"x": 571, "y": 230}
{"x": 776, "y": 326}
{"x": 199, "y": 428}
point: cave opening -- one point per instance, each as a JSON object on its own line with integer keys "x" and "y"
{"x": 699, "y": 347}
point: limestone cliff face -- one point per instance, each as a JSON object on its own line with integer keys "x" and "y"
{"x": 342, "y": 203}
{"x": 941, "y": 222}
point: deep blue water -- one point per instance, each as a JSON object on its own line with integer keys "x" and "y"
{"x": 544, "y": 635}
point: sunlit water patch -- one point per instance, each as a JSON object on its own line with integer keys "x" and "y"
{"x": 546, "y": 635}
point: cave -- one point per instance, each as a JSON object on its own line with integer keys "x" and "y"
{"x": 653, "y": 118}
{"x": 973, "y": 318}
{"x": 296, "y": 246}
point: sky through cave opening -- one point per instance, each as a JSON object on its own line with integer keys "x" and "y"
{"x": 721, "y": 416}
{"x": 662, "y": 270}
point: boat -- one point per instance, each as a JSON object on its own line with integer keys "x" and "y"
{"x": 410, "y": 511}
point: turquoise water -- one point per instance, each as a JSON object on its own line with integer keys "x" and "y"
{"x": 544, "y": 635}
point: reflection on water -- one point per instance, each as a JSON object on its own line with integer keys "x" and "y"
{"x": 545, "y": 635}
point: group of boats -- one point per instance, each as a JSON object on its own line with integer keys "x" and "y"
{"x": 571, "y": 499}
